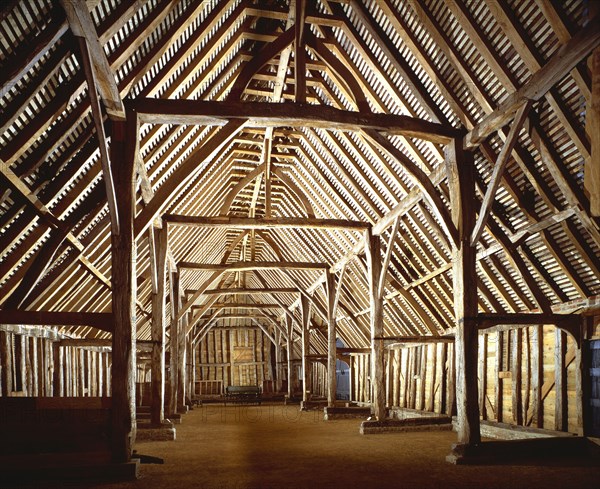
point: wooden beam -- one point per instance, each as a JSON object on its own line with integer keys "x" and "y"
{"x": 247, "y": 291}
{"x": 82, "y": 25}
{"x": 562, "y": 62}
{"x": 263, "y": 223}
{"x": 245, "y": 266}
{"x": 498, "y": 170}
{"x": 238, "y": 305}
{"x": 99, "y": 320}
{"x": 260, "y": 114}
{"x": 421, "y": 180}
{"x": 592, "y": 164}
{"x": 100, "y": 135}
{"x": 571, "y": 323}
{"x": 299, "y": 51}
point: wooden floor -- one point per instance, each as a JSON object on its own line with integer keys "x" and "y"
{"x": 275, "y": 446}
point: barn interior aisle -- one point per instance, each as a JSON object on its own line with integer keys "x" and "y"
{"x": 277, "y": 446}
{"x": 383, "y": 213}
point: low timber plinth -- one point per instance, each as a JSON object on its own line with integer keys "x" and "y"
{"x": 338, "y": 412}
{"x": 539, "y": 450}
{"x": 440, "y": 423}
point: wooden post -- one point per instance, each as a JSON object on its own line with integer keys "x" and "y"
{"x": 277, "y": 360}
{"x": 461, "y": 184}
{"x": 174, "y": 343}
{"x": 123, "y": 150}
{"x": 306, "y": 366}
{"x": 517, "y": 401}
{"x": 158, "y": 264}
{"x": 181, "y": 354}
{"x": 560, "y": 382}
{"x": 5, "y": 363}
{"x": 290, "y": 371}
{"x": 373, "y": 253}
{"x": 499, "y": 388}
{"x": 331, "y": 340}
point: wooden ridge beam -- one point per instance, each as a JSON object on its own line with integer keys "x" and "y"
{"x": 559, "y": 65}
{"x": 263, "y": 223}
{"x": 99, "y": 320}
{"x": 260, "y": 114}
{"x": 245, "y": 266}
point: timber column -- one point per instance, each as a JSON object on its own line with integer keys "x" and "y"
{"x": 460, "y": 169}
{"x": 331, "y": 340}
{"x": 373, "y": 253}
{"x": 174, "y": 342}
{"x": 123, "y": 149}
{"x": 306, "y": 380}
{"x": 290, "y": 371}
{"x": 157, "y": 409}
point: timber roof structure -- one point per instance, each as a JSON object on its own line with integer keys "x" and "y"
{"x": 274, "y": 136}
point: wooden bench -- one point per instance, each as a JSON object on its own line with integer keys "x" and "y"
{"x": 249, "y": 394}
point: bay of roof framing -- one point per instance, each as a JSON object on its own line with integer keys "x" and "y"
{"x": 240, "y": 148}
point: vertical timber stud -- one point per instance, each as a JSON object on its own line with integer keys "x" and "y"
{"x": 290, "y": 366}
{"x": 373, "y": 252}
{"x": 123, "y": 150}
{"x": 306, "y": 387}
{"x": 459, "y": 166}
{"x": 157, "y": 409}
{"x": 331, "y": 340}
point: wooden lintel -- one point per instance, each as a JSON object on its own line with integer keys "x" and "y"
{"x": 99, "y": 320}
{"x": 86, "y": 342}
{"x": 249, "y": 266}
{"x": 562, "y": 62}
{"x": 259, "y": 114}
{"x": 393, "y": 340}
{"x": 262, "y": 223}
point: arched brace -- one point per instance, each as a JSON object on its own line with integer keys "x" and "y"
{"x": 233, "y": 193}
{"x": 267, "y": 53}
{"x": 287, "y": 181}
{"x": 343, "y": 73}
{"x": 569, "y": 323}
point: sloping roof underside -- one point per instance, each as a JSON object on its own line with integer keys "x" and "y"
{"x": 450, "y": 61}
